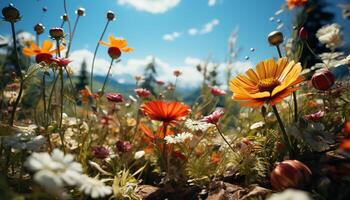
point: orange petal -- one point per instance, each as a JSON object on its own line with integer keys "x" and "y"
{"x": 127, "y": 49}
{"x": 46, "y": 46}
{"x": 254, "y": 103}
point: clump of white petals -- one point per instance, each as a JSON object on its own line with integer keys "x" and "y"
{"x": 290, "y": 194}
{"x": 179, "y": 138}
{"x": 330, "y": 35}
{"x": 54, "y": 171}
{"x": 194, "y": 125}
{"x": 139, "y": 154}
{"x": 257, "y": 125}
{"x": 94, "y": 187}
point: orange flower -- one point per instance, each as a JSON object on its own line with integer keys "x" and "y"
{"x": 116, "y": 46}
{"x": 166, "y": 112}
{"x": 271, "y": 83}
{"x": 41, "y": 54}
{"x": 345, "y": 145}
{"x": 86, "y": 95}
{"x": 295, "y": 3}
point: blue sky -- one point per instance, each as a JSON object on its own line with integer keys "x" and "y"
{"x": 146, "y": 29}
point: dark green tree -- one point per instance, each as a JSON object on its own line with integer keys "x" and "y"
{"x": 82, "y": 77}
{"x": 150, "y": 76}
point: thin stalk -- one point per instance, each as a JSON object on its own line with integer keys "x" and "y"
{"x": 223, "y": 137}
{"x": 165, "y": 153}
{"x": 62, "y": 95}
{"x": 284, "y": 133}
{"x": 279, "y": 51}
{"x": 19, "y": 72}
{"x": 37, "y": 39}
{"x": 105, "y": 81}
{"x": 72, "y": 35}
{"x": 93, "y": 59}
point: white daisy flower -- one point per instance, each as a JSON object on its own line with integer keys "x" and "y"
{"x": 194, "y": 125}
{"x": 54, "y": 171}
{"x": 94, "y": 187}
{"x": 179, "y": 138}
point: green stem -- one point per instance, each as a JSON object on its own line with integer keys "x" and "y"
{"x": 62, "y": 95}
{"x": 279, "y": 51}
{"x": 223, "y": 137}
{"x": 284, "y": 133}
{"x": 106, "y": 78}
{"x": 72, "y": 36}
{"x": 19, "y": 72}
{"x": 93, "y": 59}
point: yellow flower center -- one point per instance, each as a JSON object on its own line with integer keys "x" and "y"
{"x": 268, "y": 84}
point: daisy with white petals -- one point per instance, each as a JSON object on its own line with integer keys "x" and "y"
{"x": 94, "y": 187}
{"x": 194, "y": 125}
{"x": 179, "y": 138}
{"x": 54, "y": 171}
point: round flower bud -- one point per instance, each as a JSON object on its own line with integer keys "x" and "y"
{"x": 110, "y": 15}
{"x": 39, "y": 28}
{"x": 290, "y": 174}
{"x": 303, "y": 34}
{"x": 56, "y": 33}
{"x": 275, "y": 38}
{"x": 123, "y": 146}
{"x": 115, "y": 97}
{"x": 64, "y": 17}
{"x": 80, "y": 11}
{"x": 114, "y": 52}
{"x": 323, "y": 79}
{"x": 43, "y": 57}
{"x": 11, "y": 13}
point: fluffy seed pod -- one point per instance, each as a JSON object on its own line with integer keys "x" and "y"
{"x": 39, "y": 28}
{"x": 110, "y": 15}
{"x": 11, "y": 14}
{"x": 275, "y": 38}
{"x": 56, "y": 33}
{"x": 323, "y": 79}
{"x": 114, "y": 52}
{"x": 290, "y": 174}
{"x": 80, "y": 11}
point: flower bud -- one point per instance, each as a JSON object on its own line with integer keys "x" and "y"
{"x": 275, "y": 38}
{"x": 39, "y": 28}
{"x": 11, "y": 14}
{"x": 110, "y": 15}
{"x": 303, "y": 34}
{"x": 56, "y": 33}
{"x": 114, "y": 52}
{"x": 177, "y": 73}
{"x": 290, "y": 174}
{"x": 64, "y": 17}
{"x": 123, "y": 146}
{"x": 80, "y": 11}
{"x": 100, "y": 152}
{"x": 323, "y": 79}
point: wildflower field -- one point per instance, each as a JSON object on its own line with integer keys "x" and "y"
{"x": 277, "y": 130}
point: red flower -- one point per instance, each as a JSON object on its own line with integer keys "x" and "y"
{"x": 100, "y": 152}
{"x": 323, "y": 79}
{"x": 166, "y": 112}
{"x": 61, "y": 62}
{"x": 315, "y": 116}
{"x": 214, "y": 117}
{"x": 115, "y": 97}
{"x": 143, "y": 93}
{"x": 123, "y": 146}
{"x": 217, "y": 91}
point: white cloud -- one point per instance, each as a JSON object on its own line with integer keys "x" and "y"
{"x": 171, "y": 36}
{"x": 151, "y": 6}
{"x": 207, "y": 28}
{"x": 126, "y": 70}
{"x": 211, "y": 2}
